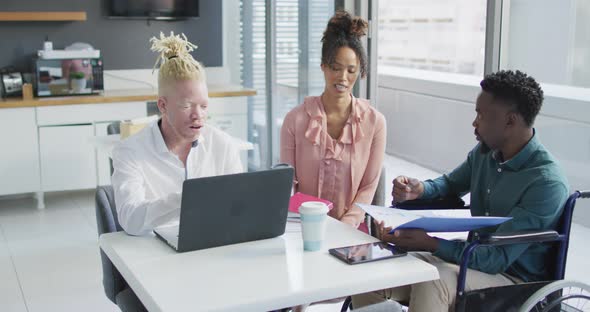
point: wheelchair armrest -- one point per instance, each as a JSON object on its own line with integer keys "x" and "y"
{"x": 452, "y": 202}
{"x": 496, "y": 239}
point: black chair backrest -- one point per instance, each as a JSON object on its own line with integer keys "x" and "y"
{"x": 107, "y": 222}
{"x": 559, "y": 254}
{"x": 114, "y": 128}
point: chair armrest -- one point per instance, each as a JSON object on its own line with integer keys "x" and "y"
{"x": 496, "y": 239}
{"x": 452, "y": 202}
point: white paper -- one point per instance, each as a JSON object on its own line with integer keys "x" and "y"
{"x": 392, "y": 217}
{"x": 428, "y": 220}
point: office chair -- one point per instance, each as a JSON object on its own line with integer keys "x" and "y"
{"x": 532, "y": 296}
{"x": 378, "y": 200}
{"x": 113, "y": 128}
{"x": 115, "y": 287}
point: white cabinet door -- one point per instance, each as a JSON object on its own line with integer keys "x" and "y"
{"x": 19, "y": 156}
{"x": 68, "y": 159}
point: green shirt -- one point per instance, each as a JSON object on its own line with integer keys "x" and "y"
{"x": 531, "y": 188}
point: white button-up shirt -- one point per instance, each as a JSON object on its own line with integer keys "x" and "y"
{"x": 148, "y": 178}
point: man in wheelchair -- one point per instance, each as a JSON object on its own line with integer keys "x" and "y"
{"x": 509, "y": 174}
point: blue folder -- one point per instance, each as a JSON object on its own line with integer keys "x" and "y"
{"x": 442, "y": 224}
{"x": 426, "y": 220}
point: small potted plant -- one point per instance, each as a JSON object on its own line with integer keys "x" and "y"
{"x": 78, "y": 81}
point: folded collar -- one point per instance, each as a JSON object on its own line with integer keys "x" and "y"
{"x": 520, "y": 159}
{"x": 161, "y": 146}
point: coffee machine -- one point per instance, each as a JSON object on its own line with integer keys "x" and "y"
{"x": 12, "y": 82}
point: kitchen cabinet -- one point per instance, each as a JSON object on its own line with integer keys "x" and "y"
{"x": 68, "y": 159}
{"x": 19, "y": 159}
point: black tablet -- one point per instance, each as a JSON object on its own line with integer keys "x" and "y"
{"x": 367, "y": 252}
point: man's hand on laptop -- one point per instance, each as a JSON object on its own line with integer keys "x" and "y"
{"x": 405, "y": 188}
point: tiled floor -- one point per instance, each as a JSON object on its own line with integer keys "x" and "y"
{"x": 49, "y": 259}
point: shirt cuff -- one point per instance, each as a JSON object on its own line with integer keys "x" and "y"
{"x": 428, "y": 189}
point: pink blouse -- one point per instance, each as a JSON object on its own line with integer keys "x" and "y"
{"x": 343, "y": 171}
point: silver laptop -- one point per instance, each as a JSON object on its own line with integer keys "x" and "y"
{"x": 229, "y": 209}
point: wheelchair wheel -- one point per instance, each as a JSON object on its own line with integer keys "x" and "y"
{"x": 559, "y": 296}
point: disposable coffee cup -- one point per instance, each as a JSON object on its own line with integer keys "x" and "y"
{"x": 314, "y": 216}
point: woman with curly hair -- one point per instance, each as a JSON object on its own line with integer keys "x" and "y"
{"x": 335, "y": 141}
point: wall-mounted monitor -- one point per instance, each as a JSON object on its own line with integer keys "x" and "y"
{"x": 152, "y": 9}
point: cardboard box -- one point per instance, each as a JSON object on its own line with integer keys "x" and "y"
{"x": 131, "y": 127}
{"x": 27, "y": 91}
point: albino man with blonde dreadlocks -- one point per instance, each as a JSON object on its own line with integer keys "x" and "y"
{"x": 151, "y": 165}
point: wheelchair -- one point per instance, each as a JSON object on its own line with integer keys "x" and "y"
{"x": 547, "y": 296}
{"x": 559, "y": 296}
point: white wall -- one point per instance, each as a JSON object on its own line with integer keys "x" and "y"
{"x": 581, "y": 62}
{"x": 429, "y": 122}
{"x": 553, "y": 36}
{"x": 550, "y": 38}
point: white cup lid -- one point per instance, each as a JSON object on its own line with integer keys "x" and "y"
{"x": 313, "y": 207}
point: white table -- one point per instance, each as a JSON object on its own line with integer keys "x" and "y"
{"x": 255, "y": 276}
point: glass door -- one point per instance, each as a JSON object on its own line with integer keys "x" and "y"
{"x": 281, "y": 60}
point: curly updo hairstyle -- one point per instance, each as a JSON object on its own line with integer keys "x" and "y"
{"x": 344, "y": 30}
{"x": 518, "y": 89}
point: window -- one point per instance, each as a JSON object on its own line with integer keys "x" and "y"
{"x": 254, "y": 76}
{"x": 298, "y": 27}
{"x": 549, "y": 39}
{"x": 433, "y": 35}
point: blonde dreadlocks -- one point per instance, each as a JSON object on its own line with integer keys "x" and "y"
{"x": 175, "y": 60}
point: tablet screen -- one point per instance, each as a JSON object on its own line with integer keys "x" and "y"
{"x": 367, "y": 252}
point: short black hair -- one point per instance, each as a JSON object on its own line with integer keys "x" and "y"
{"x": 343, "y": 30}
{"x": 519, "y": 89}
